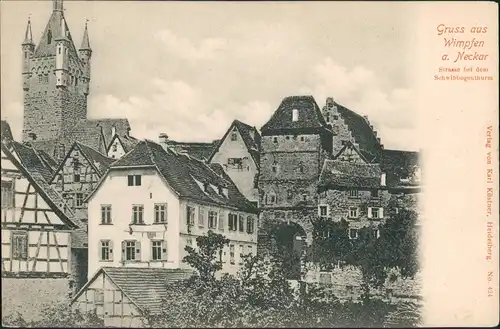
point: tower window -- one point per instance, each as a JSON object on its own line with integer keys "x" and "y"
{"x": 275, "y": 168}
{"x": 25, "y": 54}
{"x": 275, "y": 140}
{"x": 49, "y": 37}
{"x": 295, "y": 115}
{"x": 59, "y": 50}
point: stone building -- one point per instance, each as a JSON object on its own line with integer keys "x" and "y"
{"x": 238, "y": 153}
{"x": 327, "y": 164}
{"x": 56, "y": 85}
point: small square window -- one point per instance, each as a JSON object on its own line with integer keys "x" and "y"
{"x": 275, "y": 140}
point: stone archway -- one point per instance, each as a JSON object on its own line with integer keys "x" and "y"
{"x": 290, "y": 244}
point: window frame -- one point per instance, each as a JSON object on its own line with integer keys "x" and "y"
{"x": 158, "y": 212}
{"x": 356, "y": 211}
{"x": 105, "y": 245}
{"x": 7, "y": 194}
{"x": 212, "y": 215}
{"x": 106, "y": 214}
{"x": 134, "y": 180}
{"x": 157, "y": 247}
{"x": 23, "y": 253}
{"x": 139, "y": 210}
{"x": 353, "y": 194}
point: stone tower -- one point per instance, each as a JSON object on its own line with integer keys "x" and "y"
{"x": 294, "y": 145}
{"x": 55, "y": 79}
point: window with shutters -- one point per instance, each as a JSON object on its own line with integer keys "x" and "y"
{"x": 250, "y": 225}
{"x": 376, "y": 213}
{"x": 134, "y": 180}
{"x": 158, "y": 250}
{"x": 201, "y": 217}
{"x": 231, "y": 254}
{"x": 233, "y": 222}
{"x": 105, "y": 250}
{"x": 190, "y": 215}
{"x": 241, "y": 223}
{"x": 353, "y": 212}
{"x": 131, "y": 250}
{"x": 20, "y": 245}
{"x": 212, "y": 219}
{"x": 138, "y": 214}
{"x": 160, "y": 213}
{"x": 7, "y": 194}
{"x": 221, "y": 222}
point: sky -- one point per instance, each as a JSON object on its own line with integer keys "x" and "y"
{"x": 189, "y": 69}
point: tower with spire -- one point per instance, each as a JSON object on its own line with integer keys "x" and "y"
{"x": 56, "y": 79}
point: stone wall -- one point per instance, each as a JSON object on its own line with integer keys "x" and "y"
{"x": 30, "y": 297}
{"x": 346, "y": 284}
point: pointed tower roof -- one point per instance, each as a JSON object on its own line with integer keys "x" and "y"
{"x": 28, "y": 35}
{"x": 85, "y": 41}
{"x": 56, "y": 28}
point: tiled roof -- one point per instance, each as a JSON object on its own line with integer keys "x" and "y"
{"x": 250, "y": 136}
{"x": 96, "y": 157}
{"x": 310, "y": 116}
{"x": 128, "y": 142}
{"x": 48, "y": 160}
{"x": 122, "y": 127}
{"x": 344, "y": 174}
{"x": 201, "y": 151}
{"x": 87, "y": 132}
{"x": 146, "y": 287}
{"x": 53, "y": 31}
{"x": 47, "y": 147}
{"x": 182, "y": 172}
{"x": 399, "y": 165}
{"x": 362, "y": 133}
{"x": 6, "y": 132}
{"x": 37, "y": 172}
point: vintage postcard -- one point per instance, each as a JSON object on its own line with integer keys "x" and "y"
{"x": 249, "y": 164}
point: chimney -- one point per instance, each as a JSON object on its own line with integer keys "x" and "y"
{"x": 382, "y": 179}
{"x": 163, "y": 138}
{"x": 113, "y": 131}
{"x": 329, "y": 102}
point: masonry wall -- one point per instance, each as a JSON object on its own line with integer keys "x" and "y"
{"x": 48, "y": 109}
{"x": 29, "y": 297}
{"x": 339, "y": 202}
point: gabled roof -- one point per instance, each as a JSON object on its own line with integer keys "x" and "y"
{"x": 53, "y": 30}
{"x": 47, "y": 159}
{"x": 399, "y": 165}
{"x": 127, "y": 142}
{"x": 198, "y": 150}
{"x": 32, "y": 160}
{"x": 99, "y": 162}
{"x": 183, "y": 174}
{"x": 350, "y": 145}
{"x": 344, "y": 174}
{"x": 94, "y": 157}
{"x": 145, "y": 287}
{"x": 310, "y": 116}
{"x": 6, "y": 132}
{"x": 250, "y": 136}
{"x": 361, "y": 131}
{"x": 33, "y": 169}
{"x": 121, "y": 125}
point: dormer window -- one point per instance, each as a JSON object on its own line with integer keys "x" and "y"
{"x": 295, "y": 115}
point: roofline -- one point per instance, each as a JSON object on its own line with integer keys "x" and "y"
{"x": 355, "y": 148}
{"x": 40, "y": 190}
{"x": 61, "y": 164}
{"x": 219, "y": 143}
{"x": 291, "y": 131}
{"x": 94, "y": 277}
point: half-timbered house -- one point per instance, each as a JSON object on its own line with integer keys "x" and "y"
{"x": 78, "y": 174}
{"x": 37, "y": 228}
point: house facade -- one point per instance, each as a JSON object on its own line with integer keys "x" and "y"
{"x": 153, "y": 202}
{"x": 39, "y": 254}
{"x": 238, "y": 153}
{"x": 77, "y": 176}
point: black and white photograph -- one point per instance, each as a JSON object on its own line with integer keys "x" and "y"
{"x": 210, "y": 164}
